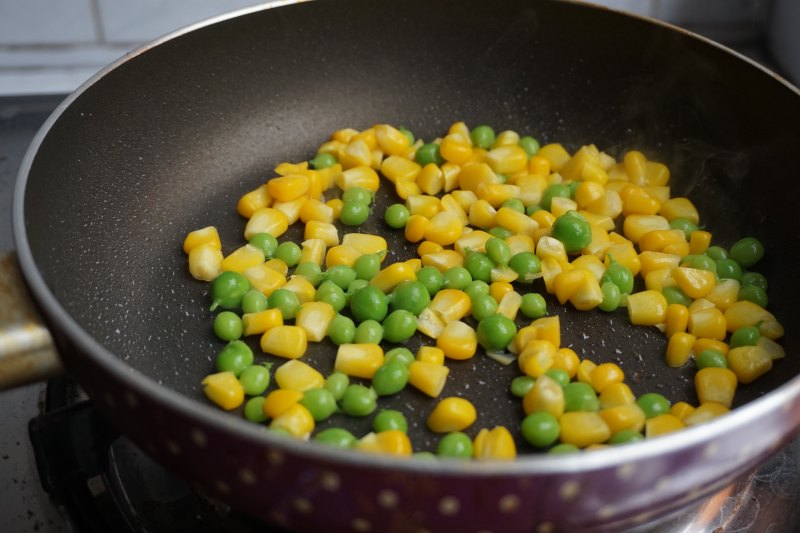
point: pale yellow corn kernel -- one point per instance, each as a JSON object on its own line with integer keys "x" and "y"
{"x": 744, "y": 313}
{"x": 207, "y": 236}
{"x": 359, "y": 176}
{"x": 428, "y": 377}
{"x": 264, "y": 278}
{"x": 280, "y": 400}
{"x": 301, "y": 287}
{"x": 681, "y": 410}
{"x": 428, "y": 247}
{"x": 205, "y": 262}
{"x": 639, "y": 203}
{"x": 242, "y": 258}
{"x": 445, "y": 228}
{"x": 285, "y": 341}
{"x": 522, "y": 338}
{"x": 430, "y": 354}
{"x": 224, "y": 390}
{"x": 536, "y": 357}
{"x": 591, "y": 263}
{"x": 624, "y": 254}
{"x": 457, "y": 340}
{"x": 391, "y": 140}
{"x": 651, "y": 261}
{"x": 430, "y": 179}
{"x": 456, "y": 148}
{"x": 658, "y": 240}
{"x": 430, "y": 323}
{"x": 594, "y": 172}
{"x": 604, "y": 375}
{"x": 679, "y": 208}
{"x": 616, "y": 173}
{"x": 715, "y": 385}
{"x": 749, "y": 362}
{"x": 398, "y": 169}
{"x": 505, "y": 138}
{"x": 368, "y": 136}
{"x": 509, "y": 305}
{"x": 443, "y": 260}
{"x": 497, "y": 193}
{"x": 772, "y": 348}
{"x": 317, "y": 211}
{"x": 546, "y": 396}
{"x": 312, "y": 251}
{"x": 550, "y": 269}
{"x": 555, "y": 154}
{"x": 390, "y": 442}
{"x": 365, "y": 243}
{"x": 266, "y": 220}
{"x": 659, "y": 192}
{"x": 450, "y": 172}
{"x": 678, "y": 248}
{"x": 568, "y": 283}
{"x": 656, "y": 174}
{"x": 415, "y": 264}
{"x": 707, "y": 323}
{"x": 407, "y": 188}
{"x": 567, "y": 360}
{"x": 503, "y": 273}
{"x": 315, "y": 318}
{"x": 724, "y": 294}
{"x": 545, "y": 219}
{"x": 498, "y": 289}
{"x": 585, "y": 369}
{"x": 699, "y": 241}
{"x": 344, "y": 135}
{"x": 260, "y": 322}
{"x": 695, "y": 282}
{"x": 531, "y": 188}
{"x": 336, "y": 204}
{"x": 634, "y": 163}
{"x": 474, "y": 241}
{"x": 704, "y": 413}
{"x": 254, "y": 200}
{"x": 661, "y": 425}
{"x": 573, "y": 168}
{"x": 452, "y": 414}
{"x": 518, "y": 243}
{"x": 588, "y": 192}
{"x": 482, "y": 214}
{"x": 559, "y": 206}
{"x": 703, "y": 344}
{"x": 539, "y": 165}
{"x": 636, "y": 226}
{"x": 494, "y": 444}
{"x": 316, "y": 185}
{"x": 679, "y": 349}
{"x": 516, "y": 222}
{"x": 610, "y": 205}
{"x": 621, "y": 417}
{"x": 287, "y": 188}
{"x": 415, "y": 228}
{"x": 677, "y": 320}
{"x": 451, "y": 304}
{"x": 291, "y": 209}
{"x": 599, "y": 244}
{"x": 324, "y": 231}
{"x": 583, "y": 428}
{"x": 507, "y": 159}
{"x": 392, "y": 276}
{"x": 355, "y": 153}
{"x": 359, "y": 360}
{"x": 551, "y": 247}
{"x": 296, "y": 375}
{"x": 297, "y": 421}
{"x": 333, "y": 147}
{"x": 647, "y": 308}
{"x": 616, "y": 393}
{"x": 473, "y": 174}
{"x": 658, "y": 279}
{"x": 700, "y": 304}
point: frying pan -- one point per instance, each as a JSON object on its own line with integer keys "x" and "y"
{"x": 165, "y": 141}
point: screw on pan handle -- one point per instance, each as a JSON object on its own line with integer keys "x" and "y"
{"x": 27, "y": 353}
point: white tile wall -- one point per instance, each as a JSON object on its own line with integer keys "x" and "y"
{"x": 46, "y": 22}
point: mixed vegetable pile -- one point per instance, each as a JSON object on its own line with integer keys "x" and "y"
{"x": 498, "y": 220}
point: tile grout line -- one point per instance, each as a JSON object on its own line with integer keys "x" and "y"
{"x": 97, "y": 21}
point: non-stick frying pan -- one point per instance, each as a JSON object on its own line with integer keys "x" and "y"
{"x": 167, "y": 139}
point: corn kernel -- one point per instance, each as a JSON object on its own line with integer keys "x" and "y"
{"x": 679, "y": 349}
{"x": 359, "y": 360}
{"x": 715, "y": 385}
{"x": 266, "y": 220}
{"x": 296, "y": 421}
{"x": 285, "y": 341}
{"x": 430, "y": 354}
{"x": 661, "y": 425}
{"x": 452, "y": 414}
{"x": 224, "y": 390}
{"x": 205, "y": 262}
{"x": 647, "y": 308}
{"x": 583, "y": 428}
{"x": 254, "y": 200}
{"x": 279, "y": 400}
{"x": 298, "y": 376}
{"x": 495, "y": 444}
{"x": 242, "y": 258}
{"x": 458, "y": 340}
{"x": 391, "y": 442}
{"x": 749, "y": 362}
{"x": 258, "y": 323}
{"x": 428, "y": 377}
{"x": 546, "y": 396}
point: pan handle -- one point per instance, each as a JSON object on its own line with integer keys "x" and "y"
{"x": 27, "y": 352}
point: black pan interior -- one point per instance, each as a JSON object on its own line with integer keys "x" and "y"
{"x": 168, "y": 141}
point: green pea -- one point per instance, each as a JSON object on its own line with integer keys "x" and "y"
{"x": 358, "y": 195}
{"x": 342, "y": 275}
{"x": 476, "y": 288}
{"x": 500, "y": 232}
{"x": 685, "y": 225}
{"x": 559, "y": 376}
{"x": 390, "y": 419}
{"x": 369, "y": 303}
{"x": 369, "y": 332}
{"x": 337, "y": 382}
{"x": 228, "y": 289}
{"x": 496, "y": 332}
{"x": 754, "y": 279}
{"x": 321, "y": 403}
{"x": 675, "y": 295}
{"x": 408, "y": 134}
{"x": 529, "y": 144}
{"x": 228, "y": 326}
{"x": 400, "y": 354}
{"x": 653, "y": 404}
{"x": 323, "y": 160}
{"x": 619, "y": 275}
{"x": 311, "y": 271}
{"x": 331, "y": 293}
{"x": 479, "y": 266}
{"x": 358, "y": 400}
{"x": 573, "y": 231}
{"x": 254, "y": 409}
{"x": 411, "y": 296}
{"x": 526, "y": 265}
{"x": 457, "y": 278}
{"x": 482, "y": 136}
{"x": 703, "y": 262}
{"x": 556, "y": 190}
{"x": 711, "y": 358}
{"x": 573, "y": 186}
{"x": 399, "y": 325}
{"x": 255, "y": 379}
{"x": 754, "y": 294}
{"x": 563, "y": 449}
{"x": 531, "y": 209}
{"x": 355, "y": 286}
{"x": 424, "y": 456}
{"x": 390, "y": 378}
{"x": 342, "y": 330}
{"x": 540, "y": 429}
{"x": 533, "y": 305}
{"x": 747, "y": 252}
{"x": 336, "y": 437}
{"x": 745, "y": 336}
{"x": 234, "y": 357}
{"x": 515, "y": 204}
{"x": 728, "y": 269}
{"x": 265, "y": 242}
{"x": 717, "y": 252}
{"x": 431, "y": 278}
{"x": 254, "y": 301}
{"x": 367, "y": 266}
{"x": 396, "y": 216}
{"x": 520, "y": 385}
{"x": 456, "y": 445}
{"x": 580, "y": 396}
{"x": 626, "y": 436}
{"x": 354, "y": 213}
{"x": 289, "y": 252}
{"x": 483, "y": 306}
{"x": 286, "y": 301}
{"x": 611, "y": 296}
{"x": 498, "y": 251}
{"x": 428, "y": 153}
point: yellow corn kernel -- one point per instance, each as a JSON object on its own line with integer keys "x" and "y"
{"x": 287, "y": 188}
{"x": 464, "y": 199}
{"x": 634, "y": 163}
{"x": 652, "y": 260}
{"x": 624, "y": 254}
{"x": 546, "y": 396}
{"x": 659, "y": 240}
{"x": 555, "y": 154}
{"x": 430, "y": 354}
{"x": 615, "y": 393}
{"x": 509, "y": 305}
{"x": 661, "y": 425}
{"x": 341, "y": 255}
{"x": 523, "y": 337}
{"x": 707, "y": 323}
{"x": 298, "y": 376}
{"x": 594, "y": 173}
{"x": 560, "y": 206}
{"x": 647, "y": 308}
{"x": 242, "y": 258}
{"x": 360, "y": 176}
{"x": 715, "y": 385}
{"x": 536, "y": 357}
{"x": 539, "y": 165}
{"x": 452, "y": 414}
{"x": 359, "y": 360}
{"x": 583, "y": 428}
{"x": 457, "y": 340}
{"x": 473, "y": 174}
{"x": 365, "y": 243}
{"x": 356, "y": 153}
{"x": 291, "y": 209}
{"x": 415, "y": 264}
{"x": 497, "y": 193}
{"x": 333, "y": 147}
{"x": 422, "y": 204}
{"x": 505, "y": 138}
{"x": 498, "y": 289}
{"x": 456, "y": 148}
{"x": 639, "y": 203}
{"x": 326, "y": 177}
{"x": 621, "y": 417}
{"x": 392, "y": 276}
{"x": 313, "y": 251}
{"x": 516, "y": 222}
{"x": 658, "y": 279}
{"x": 325, "y": 231}
{"x": 428, "y": 247}
{"x": 428, "y": 377}
{"x": 474, "y": 241}
{"x": 744, "y": 313}
{"x": 544, "y": 219}
{"x": 398, "y": 169}
{"x": 296, "y": 421}
{"x": 548, "y": 328}
{"x": 407, "y": 188}
{"x": 258, "y": 323}
{"x": 520, "y": 243}
{"x": 724, "y": 294}
{"x": 285, "y": 341}
{"x": 444, "y": 228}
{"x": 580, "y": 287}
{"x": 749, "y": 362}
{"x": 482, "y": 214}
{"x": 494, "y": 444}
{"x": 254, "y": 200}
{"x": 336, "y": 204}
{"x": 266, "y": 220}
{"x": 679, "y": 208}
{"x": 551, "y": 247}
{"x": 208, "y": 236}
{"x": 636, "y": 226}
{"x": 567, "y": 360}
{"x": 430, "y": 179}
{"x": 772, "y": 348}
{"x": 677, "y": 320}
{"x": 391, "y": 442}
{"x": 344, "y": 135}
{"x": 264, "y": 278}
{"x": 279, "y": 400}
{"x": 573, "y": 168}
{"x": 699, "y": 241}
{"x": 451, "y": 304}
{"x": 531, "y": 188}
{"x": 656, "y": 174}
{"x": 302, "y": 288}
{"x": 681, "y": 410}
{"x": 416, "y": 225}
{"x": 315, "y": 318}
{"x": 704, "y": 413}
{"x": 550, "y": 268}
{"x": 585, "y": 369}
{"x": 610, "y": 204}
{"x": 600, "y": 241}
{"x": 205, "y": 262}
{"x": 430, "y": 323}
{"x": 604, "y": 375}
{"x": 590, "y": 263}
{"x": 507, "y": 159}
{"x": 315, "y": 210}
{"x": 443, "y": 260}
{"x": 679, "y": 349}
{"x": 588, "y": 192}
{"x": 449, "y": 204}
{"x": 701, "y": 345}
{"x": 391, "y": 140}
{"x": 699, "y": 305}
{"x": 695, "y": 282}
{"x": 224, "y": 390}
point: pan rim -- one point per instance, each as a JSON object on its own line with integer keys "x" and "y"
{"x": 523, "y": 466}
